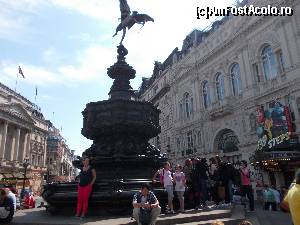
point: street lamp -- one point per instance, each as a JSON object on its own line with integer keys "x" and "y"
{"x": 25, "y": 165}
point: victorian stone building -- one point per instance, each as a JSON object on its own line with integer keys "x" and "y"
{"x": 209, "y": 91}
{"x": 23, "y": 133}
{"x": 59, "y": 157}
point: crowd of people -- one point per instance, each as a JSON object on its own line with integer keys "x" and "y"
{"x": 201, "y": 181}
{"x": 11, "y": 201}
{"x": 216, "y": 181}
{"x": 146, "y": 208}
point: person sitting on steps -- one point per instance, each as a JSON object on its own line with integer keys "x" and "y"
{"x": 146, "y": 207}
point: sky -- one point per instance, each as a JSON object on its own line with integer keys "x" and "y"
{"x": 64, "y": 48}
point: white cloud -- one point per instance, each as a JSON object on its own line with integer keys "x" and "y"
{"x": 104, "y": 10}
{"x": 15, "y": 18}
{"x": 90, "y": 65}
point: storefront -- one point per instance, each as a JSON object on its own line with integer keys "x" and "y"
{"x": 278, "y": 150}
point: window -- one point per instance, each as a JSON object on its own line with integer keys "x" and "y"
{"x": 155, "y": 89}
{"x": 220, "y": 86}
{"x": 280, "y": 60}
{"x": 167, "y": 120}
{"x": 187, "y": 105}
{"x": 178, "y": 143}
{"x": 256, "y": 72}
{"x": 180, "y": 111}
{"x": 169, "y": 144}
{"x": 206, "y": 94}
{"x": 236, "y": 79}
{"x": 190, "y": 143}
{"x": 33, "y": 160}
{"x": 188, "y": 102}
{"x": 194, "y": 140}
{"x": 199, "y": 138}
{"x": 269, "y": 63}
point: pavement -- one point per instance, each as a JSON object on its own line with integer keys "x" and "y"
{"x": 263, "y": 217}
{"x": 231, "y": 216}
{"x": 39, "y": 216}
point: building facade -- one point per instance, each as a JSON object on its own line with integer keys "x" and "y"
{"x": 59, "y": 158}
{"x": 23, "y": 133}
{"x": 209, "y": 91}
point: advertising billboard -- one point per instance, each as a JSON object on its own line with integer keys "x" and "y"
{"x": 274, "y": 126}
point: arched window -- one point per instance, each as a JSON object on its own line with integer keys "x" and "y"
{"x": 206, "y": 94}
{"x": 269, "y": 62}
{"x": 220, "y": 86}
{"x": 236, "y": 79}
{"x": 188, "y": 101}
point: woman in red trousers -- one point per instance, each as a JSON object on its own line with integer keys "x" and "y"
{"x": 87, "y": 178}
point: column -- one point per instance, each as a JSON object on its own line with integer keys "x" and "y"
{"x": 13, "y": 144}
{"x": 1, "y": 134}
{"x": 25, "y": 146}
{"x": 247, "y": 66}
{"x": 17, "y": 143}
{"x": 243, "y": 72}
{"x": 3, "y": 142}
{"x": 45, "y": 151}
{"x": 196, "y": 97}
{"x": 27, "y": 152}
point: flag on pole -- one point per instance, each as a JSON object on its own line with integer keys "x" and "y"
{"x": 35, "y": 93}
{"x": 21, "y": 72}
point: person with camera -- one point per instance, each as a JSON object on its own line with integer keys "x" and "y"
{"x": 146, "y": 207}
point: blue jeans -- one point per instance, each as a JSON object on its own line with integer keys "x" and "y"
{"x": 204, "y": 193}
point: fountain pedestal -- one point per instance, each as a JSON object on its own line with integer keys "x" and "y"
{"x": 120, "y": 129}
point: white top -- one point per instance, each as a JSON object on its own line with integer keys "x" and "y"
{"x": 144, "y": 199}
{"x": 179, "y": 181}
{"x": 167, "y": 177}
{"x": 12, "y": 196}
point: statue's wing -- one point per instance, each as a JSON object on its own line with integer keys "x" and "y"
{"x": 124, "y": 7}
{"x": 131, "y": 23}
{"x": 142, "y": 18}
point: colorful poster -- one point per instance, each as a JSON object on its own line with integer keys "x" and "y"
{"x": 273, "y": 125}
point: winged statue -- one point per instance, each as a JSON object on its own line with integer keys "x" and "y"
{"x": 128, "y": 19}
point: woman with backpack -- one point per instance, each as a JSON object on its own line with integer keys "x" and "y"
{"x": 167, "y": 181}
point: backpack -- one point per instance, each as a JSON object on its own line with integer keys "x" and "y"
{"x": 270, "y": 197}
{"x": 161, "y": 178}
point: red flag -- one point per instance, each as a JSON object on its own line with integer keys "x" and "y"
{"x": 21, "y": 72}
